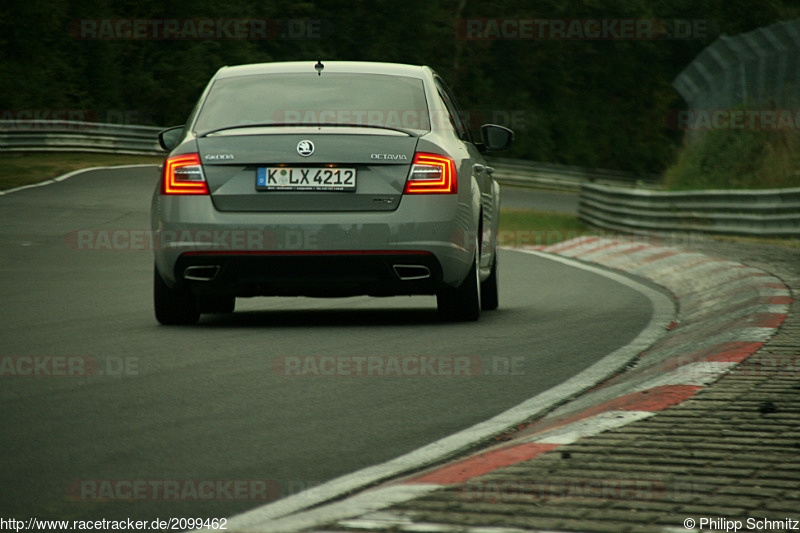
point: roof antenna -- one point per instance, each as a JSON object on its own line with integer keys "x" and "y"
{"x": 318, "y": 67}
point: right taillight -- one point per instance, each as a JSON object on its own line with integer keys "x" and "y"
{"x": 183, "y": 174}
{"x": 432, "y": 174}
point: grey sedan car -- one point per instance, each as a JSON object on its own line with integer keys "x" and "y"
{"x": 326, "y": 180}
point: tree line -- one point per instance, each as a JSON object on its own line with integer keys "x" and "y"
{"x": 583, "y": 82}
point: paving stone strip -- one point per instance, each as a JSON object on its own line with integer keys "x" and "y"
{"x": 702, "y": 433}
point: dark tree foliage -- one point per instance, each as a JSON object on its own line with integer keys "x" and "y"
{"x": 579, "y": 101}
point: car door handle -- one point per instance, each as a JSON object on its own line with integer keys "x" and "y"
{"x": 478, "y": 168}
{"x": 489, "y": 170}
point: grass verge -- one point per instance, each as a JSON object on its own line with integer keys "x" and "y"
{"x": 520, "y": 227}
{"x": 539, "y": 228}
{"x": 24, "y": 168}
{"x": 737, "y": 160}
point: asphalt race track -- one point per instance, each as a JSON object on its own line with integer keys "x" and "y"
{"x": 213, "y": 403}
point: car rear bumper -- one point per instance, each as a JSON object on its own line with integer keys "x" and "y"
{"x": 375, "y": 273}
{"x": 314, "y": 253}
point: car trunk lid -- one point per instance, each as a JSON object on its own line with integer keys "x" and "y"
{"x": 233, "y": 162}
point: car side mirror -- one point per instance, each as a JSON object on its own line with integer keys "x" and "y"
{"x": 496, "y": 137}
{"x": 169, "y": 138}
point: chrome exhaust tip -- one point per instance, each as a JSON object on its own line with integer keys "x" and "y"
{"x": 201, "y": 272}
{"x": 411, "y": 272}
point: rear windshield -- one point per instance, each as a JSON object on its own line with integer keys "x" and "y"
{"x": 309, "y": 99}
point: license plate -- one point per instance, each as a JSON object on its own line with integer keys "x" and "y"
{"x": 305, "y": 179}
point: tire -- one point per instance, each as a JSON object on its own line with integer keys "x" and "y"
{"x": 173, "y": 306}
{"x": 463, "y": 304}
{"x": 216, "y": 304}
{"x": 489, "y": 298}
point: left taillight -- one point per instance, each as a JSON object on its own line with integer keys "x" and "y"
{"x": 183, "y": 174}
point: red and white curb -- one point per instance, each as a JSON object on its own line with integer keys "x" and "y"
{"x": 727, "y": 311}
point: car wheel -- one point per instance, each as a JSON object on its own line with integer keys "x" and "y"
{"x": 489, "y": 299}
{"x": 216, "y": 304}
{"x": 464, "y": 302}
{"x": 173, "y": 306}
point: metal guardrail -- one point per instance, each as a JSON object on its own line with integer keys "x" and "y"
{"x": 634, "y": 207}
{"x": 773, "y": 212}
{"x": 67, "y": 135}
{"x": 534, "y": 174}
